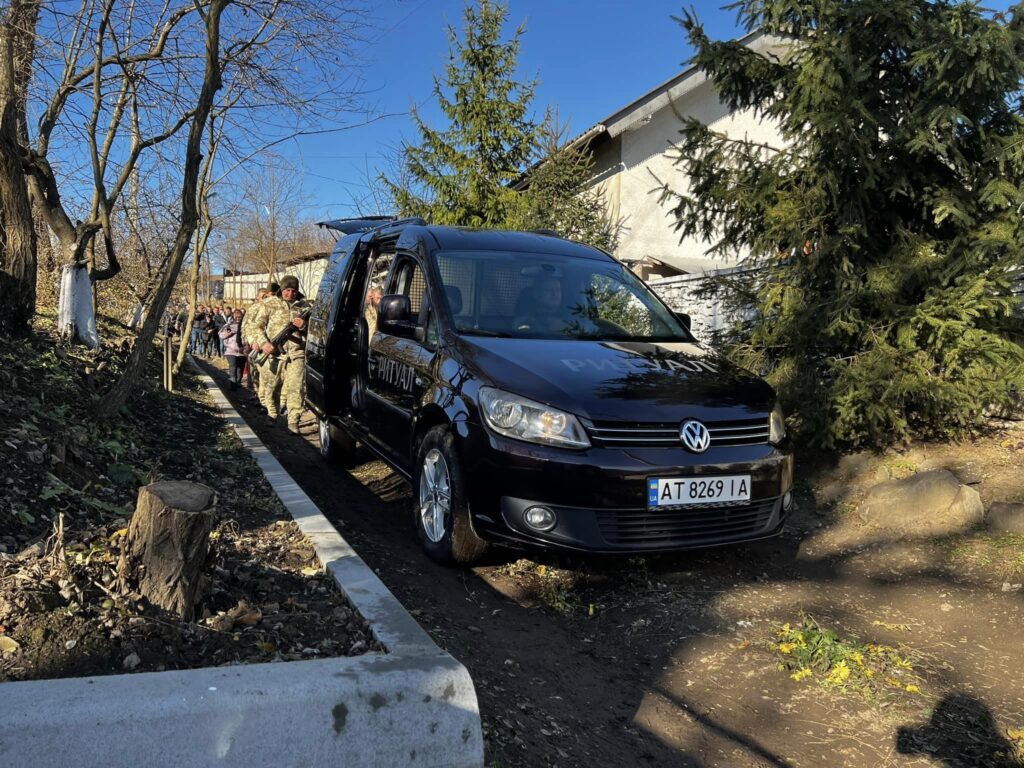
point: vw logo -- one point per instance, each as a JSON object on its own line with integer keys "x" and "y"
{"x": 695, "y": 436}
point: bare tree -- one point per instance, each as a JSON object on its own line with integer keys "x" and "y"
{"x": 202, "y": 235}
{"x": 264, "y": 63}
{"x": 118, "y": 395}
{"x": 17, "y": 232}
{"x": 122, "y": 79}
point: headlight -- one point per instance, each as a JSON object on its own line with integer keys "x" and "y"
{"x": 514, "y": 416}
{"x": 777, "y": 426}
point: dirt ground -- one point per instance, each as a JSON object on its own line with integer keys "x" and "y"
{"x": 66, "y": 492}
{"x": 693, "y": 659}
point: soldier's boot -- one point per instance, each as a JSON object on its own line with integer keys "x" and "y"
{"x": 293, "y": 427}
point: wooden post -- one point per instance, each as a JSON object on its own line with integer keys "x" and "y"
{"x": 167, "y": 546}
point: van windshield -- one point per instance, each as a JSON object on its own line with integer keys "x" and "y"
{"x": 536, "y": 295}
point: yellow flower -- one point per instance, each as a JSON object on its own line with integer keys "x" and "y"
{"x": 786, "y": 647}
{"x": 913, "y": 689}
{"x": 785, "y": 628}
{"x": 801, "y": 674}
{"x": 840, "y": 674}
{"x": 870, "y": 673}
{"x": 858, "y": 657}
{"x": 893, "y": 682}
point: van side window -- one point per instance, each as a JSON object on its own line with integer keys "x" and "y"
{"x": 408, "y": 280}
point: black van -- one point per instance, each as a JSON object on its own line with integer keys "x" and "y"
{"x": 536, "y": 392}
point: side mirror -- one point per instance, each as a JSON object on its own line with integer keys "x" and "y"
{"x": 394, "y": 316}
{"x": 684, "y": 318}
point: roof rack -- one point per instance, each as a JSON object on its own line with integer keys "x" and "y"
{"x": 369, "y": 223}
{"x": 415, "y": 220}
{"x": 356, "y": 224}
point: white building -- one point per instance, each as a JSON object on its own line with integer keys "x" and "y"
{"x": 240, "y": 290}
{"x": 633, "y": 156}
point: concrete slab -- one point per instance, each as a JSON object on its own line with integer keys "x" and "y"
{"x": 413, "y": 705}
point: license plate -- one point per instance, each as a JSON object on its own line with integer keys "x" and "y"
{"x": 677, "y": 491}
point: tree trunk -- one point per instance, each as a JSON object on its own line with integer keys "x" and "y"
{"x": 127, "y": 384}
{"x": 17, "y": 231}
{"x": 186, "y": 335}
{"x": 76, "y": 317}
{"x": 167, "y": 547}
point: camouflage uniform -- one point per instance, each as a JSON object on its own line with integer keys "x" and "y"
{"x": 286, "y": 369}
{"x": 267, "y": 380}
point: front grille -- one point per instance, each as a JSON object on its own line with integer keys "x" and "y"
{"x": 683, "y": 526}
{"x": 613, "y": 434}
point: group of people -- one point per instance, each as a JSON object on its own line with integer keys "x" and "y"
{"x": 274, "y": 328}
{"x": 208, "y": 335}
{"x": 264, "y": 345}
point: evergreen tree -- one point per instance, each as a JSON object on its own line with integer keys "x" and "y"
{"x": 493, "y": 165}
{"x": 462, "y": 174}
{"x": 886, "y": 228}
{"x": 556, "y": 194}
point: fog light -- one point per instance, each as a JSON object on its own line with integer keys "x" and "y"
{"x": 787, "y": 501}
{"x": 540, "y": 518}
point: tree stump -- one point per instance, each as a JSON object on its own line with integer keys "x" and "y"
{"x": 167, "y": 545}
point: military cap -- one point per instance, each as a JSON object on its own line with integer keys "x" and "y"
{"x": 289, "y": 281}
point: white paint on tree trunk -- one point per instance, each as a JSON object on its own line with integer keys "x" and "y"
{"x": 138, "y": 316}
{"x": 75, "y": 317}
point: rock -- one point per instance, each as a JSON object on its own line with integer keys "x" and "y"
{"x": 882, "y": 474}
{"x": 967, "y": 472}
{"x": 926, "y": 504}
{"x": 131, "y": 661}
{"x": 1008, "y": 587}
{"x": 1006, "y": 517}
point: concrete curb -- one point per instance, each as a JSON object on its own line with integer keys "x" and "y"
{"x": 414, "y": 705}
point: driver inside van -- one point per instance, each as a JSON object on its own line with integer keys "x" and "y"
{"x": 542, "y": 309}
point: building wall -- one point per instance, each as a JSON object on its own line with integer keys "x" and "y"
{"x": 241, "y": 289}
{"x": 644, "y": 160}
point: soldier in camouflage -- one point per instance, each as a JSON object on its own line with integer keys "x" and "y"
{"x": 286, "y": 363}
{"x": 264, "y": 377}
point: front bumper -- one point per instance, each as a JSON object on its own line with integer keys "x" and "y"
{"x": 600, "y": 495}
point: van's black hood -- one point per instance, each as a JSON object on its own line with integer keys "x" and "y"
{"x": 619, "y": 381}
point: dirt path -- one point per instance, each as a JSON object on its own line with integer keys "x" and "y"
{"x": 674, "y": 660}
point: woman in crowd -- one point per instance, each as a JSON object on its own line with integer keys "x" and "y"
{"x": 235, "y": 349}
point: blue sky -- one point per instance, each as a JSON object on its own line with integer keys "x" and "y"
{"x": 590, "y": 58}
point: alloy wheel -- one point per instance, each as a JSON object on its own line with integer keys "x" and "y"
{"x": 435, "y": 495}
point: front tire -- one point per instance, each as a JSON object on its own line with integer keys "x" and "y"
{"x": 440, "y": 510}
